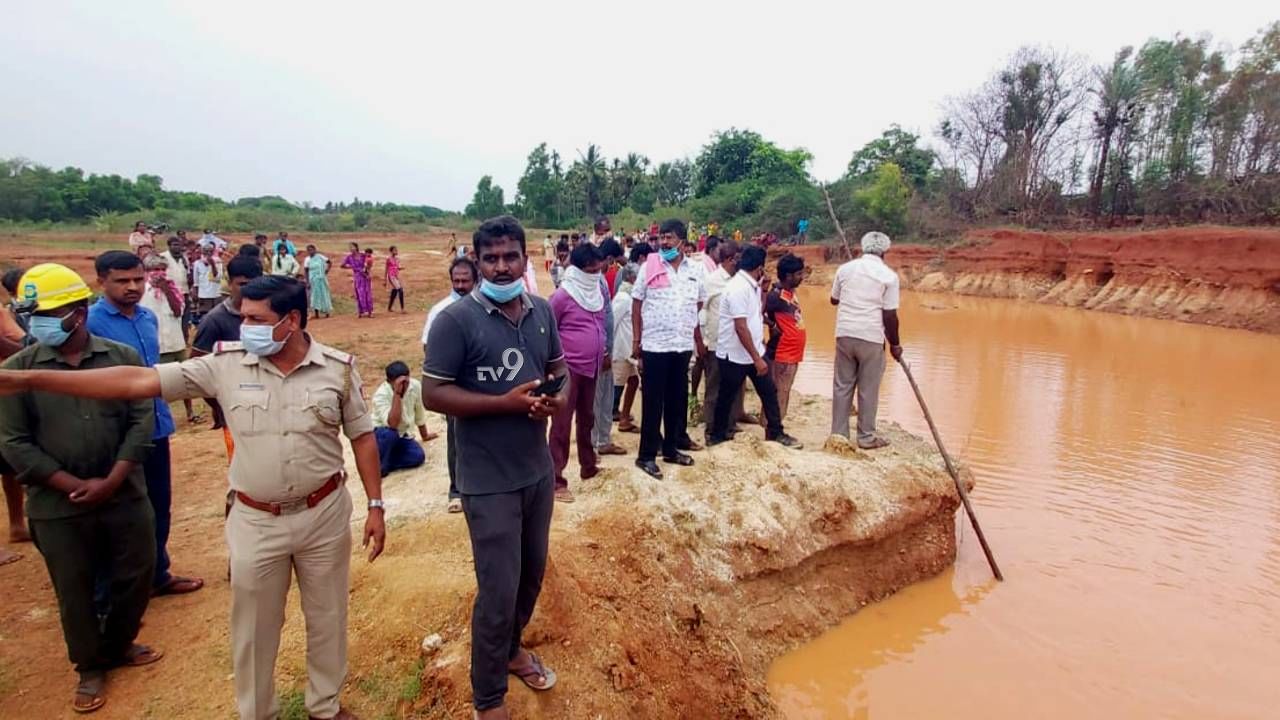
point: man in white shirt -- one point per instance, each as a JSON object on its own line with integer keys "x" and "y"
{"x": 178, "y": 270}
{"x": 726, "y": 251}
{"x": 740, "y": 349}
{"x": 625, "y": 377}
{"x": 668, "y": 294}
{"x": 208, "y": 276}
{"x": 208, "y": 239}
{"x": 463, "y": 275}
{"x": 866, "y": 294}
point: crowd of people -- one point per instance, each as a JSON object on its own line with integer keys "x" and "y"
{"x": 515, "y": 375}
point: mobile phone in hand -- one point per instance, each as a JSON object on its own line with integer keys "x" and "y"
{"x": 552, "y": 386}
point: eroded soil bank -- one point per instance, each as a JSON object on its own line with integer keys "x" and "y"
{"x": 670, "y": 599}
{"x": 1211, "y": 275}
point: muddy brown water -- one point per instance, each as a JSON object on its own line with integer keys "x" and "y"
{"x": 1129, "y": 481}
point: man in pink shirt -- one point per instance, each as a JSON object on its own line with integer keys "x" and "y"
{"x": 579, "y": 309}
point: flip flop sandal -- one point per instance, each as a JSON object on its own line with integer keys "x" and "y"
{"x": 138, "y": 655}
{"x": 455, "y": 505}
{"x": 874, "y": 444}
{"x": 536, "y": 676}
{"x": 7, "y": 557}
{"x": 88, "y": 696}
{"x": 178, "y": 586}
{"x": 684, "y": 460}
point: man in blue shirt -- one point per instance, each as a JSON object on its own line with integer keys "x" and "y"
{"x": 118, "y": 316}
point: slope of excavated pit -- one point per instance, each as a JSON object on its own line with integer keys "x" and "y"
{"x": 670, "y": 599}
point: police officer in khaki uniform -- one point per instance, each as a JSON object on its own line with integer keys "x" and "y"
{"x": 287, "y": 396}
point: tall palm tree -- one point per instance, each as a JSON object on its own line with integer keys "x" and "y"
{"x": 1118, "y": 89}
{"x": 593, "y": 168}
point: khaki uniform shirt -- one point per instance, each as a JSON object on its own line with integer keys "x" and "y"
{"x": 285, "y": 427}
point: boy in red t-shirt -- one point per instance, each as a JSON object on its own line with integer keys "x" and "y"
{"x": 787, "y": 335}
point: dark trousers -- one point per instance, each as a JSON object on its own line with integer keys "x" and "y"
{"x": 665, "y": 392}
{"x": 157, "y": 469}
{"x": 712, "y": 397}
{"x": 509, "y": 533}
{"x": 396, "y": 293}
{"x": 582, "y": 398}
{"x": 396, "y": 452}
{"x": 732, "y": 375}
{"x": 451, "y": 455}
{"x": 116, "y": 540}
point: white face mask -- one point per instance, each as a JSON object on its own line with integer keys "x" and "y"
{"x": 260, "y": 340}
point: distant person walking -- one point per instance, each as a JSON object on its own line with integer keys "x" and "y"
{"x": 361, "y": 266}
{"x": 865, "y": 292}
{"x": 282, "y": 240}
{"x": 802, "y": 231}
{"x": 317, "y": 274}
{"x": 463, "y": 276}
{"x": 391, "y": 279}
{"x": 578, "y": 307}
{"x": 787, "y": 335}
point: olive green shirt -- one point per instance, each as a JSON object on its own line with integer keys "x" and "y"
{"x": 42, "y": 433}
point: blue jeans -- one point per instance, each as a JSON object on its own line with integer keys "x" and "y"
{"x": 396, "y": 452}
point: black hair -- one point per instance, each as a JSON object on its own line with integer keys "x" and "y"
{"x": 712, "y": 242}
{"x": 601, "y": 221}
{"x": 640, "y": 251}
{"x": 244, "y": 266}
{"x": 173, "y": 239}
{"x": 676, "y": 226}
{"x": 259, "y": 235}
{"x": 610, "y": 249}
{"x": 284, "y": 294}
{"x": 393, "y": 247}
{"x": 397, "y": 369}
{"x": 470, "y": 265}
{"x": 789, "y": 264}
{"x": 10, "y": 280}
{"x": 494, "y": 229}
{"x": 728, "y": 245}
{"x": 752, "y": 257}
{"x": 584, "y": 255}
{"x": 562, "y": 246}
{"x": 564, "y": 237}
{"x": 250, "y": 250}
{"x": 116, "y": 260}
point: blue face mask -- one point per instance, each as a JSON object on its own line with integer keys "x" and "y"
{"x": 259, "y": 340}
{"x": 47, "y": 330}
{"x": 670, "y": 254}
{"x": 502, "y": 292}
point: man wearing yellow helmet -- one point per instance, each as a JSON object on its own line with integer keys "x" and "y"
{"x": 81, "y": 461}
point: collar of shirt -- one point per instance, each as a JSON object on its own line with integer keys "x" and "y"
{"x": 45, "y": 353}
{"x": 139, "y": 311}
{"x": 755, "y": 284}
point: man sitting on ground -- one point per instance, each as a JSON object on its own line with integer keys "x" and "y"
{"x": 397, "y": 409}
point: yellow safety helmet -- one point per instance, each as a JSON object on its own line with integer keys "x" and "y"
{"x": 50, "y": 286}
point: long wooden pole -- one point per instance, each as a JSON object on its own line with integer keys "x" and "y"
{"x": 848, "y": 251}
{"x": 951, "y": 469}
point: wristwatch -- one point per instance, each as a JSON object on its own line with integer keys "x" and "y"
{"x": 378, "y": 504}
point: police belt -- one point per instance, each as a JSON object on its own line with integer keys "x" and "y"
{"x": 289, "y": 507}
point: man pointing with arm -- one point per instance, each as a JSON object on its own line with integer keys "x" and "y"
{"x": 287, "y": 396}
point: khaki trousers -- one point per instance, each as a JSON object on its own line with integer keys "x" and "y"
{"x": 265, "y": 549}
{"x": 859, "y": 365}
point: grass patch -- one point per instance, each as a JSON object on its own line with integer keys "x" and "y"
{"x": 293, "y": 705}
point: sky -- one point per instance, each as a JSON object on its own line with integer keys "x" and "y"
{"x": 413, "y": 102}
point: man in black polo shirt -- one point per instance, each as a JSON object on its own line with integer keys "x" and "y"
{"x": 486, "y": 353}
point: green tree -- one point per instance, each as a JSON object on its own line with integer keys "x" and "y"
{"x": 536, "y": 192}
{"x": 899, "y": 147}
{"x": 673, "y": 182}
{"x": 488, "y": 200}
{"x": 882, "y": 204}
{"x": 1117, "y": 88}
{"x": 592, "y": 166}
